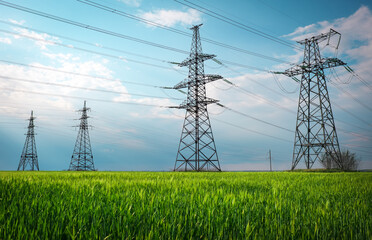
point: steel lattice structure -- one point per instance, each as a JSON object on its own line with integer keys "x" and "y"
{"x": 29, "y": 153}
{"x": 197, "y": 149}
{"x": 315, "y": 128}
{"x": 82, "y": 157}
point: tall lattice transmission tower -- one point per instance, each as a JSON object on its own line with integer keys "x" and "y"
{"x": 315, "y": 128}
{"x": 82, "y": 157}
{"x": 197, "y": 149}
{"x": 29, "y": 159}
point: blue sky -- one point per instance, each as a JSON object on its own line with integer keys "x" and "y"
{"x": 127, "y": 136}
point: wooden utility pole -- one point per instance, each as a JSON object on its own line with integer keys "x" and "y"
{"x": 270, "y": 160}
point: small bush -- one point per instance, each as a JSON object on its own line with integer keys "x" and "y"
{"x": 346, "y": 161}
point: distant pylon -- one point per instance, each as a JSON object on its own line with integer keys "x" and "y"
{"x": 197, "y": 149}
{"x": 82, "y": 157}
{"x": 29, "y": 154}
{"x": 315, "y": 128}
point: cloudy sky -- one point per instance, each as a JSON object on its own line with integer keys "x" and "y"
{"x": 116, "y": 56}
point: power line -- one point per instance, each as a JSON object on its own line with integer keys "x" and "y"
{"x": 238, "y": 24}
{"x": 350, "y": 95}
{"x": 243, "y": 65}
{"x": 79, "y": 74}
{"x": 174, "y": 30}
{"x": 108, "y": 48}
{"x": 85, "y": 88}
{"x": 213, "y": 6}
{"x": 353, "y": 73}
{"x": 281, "y": 87}
{"x": 85, "y": 50}
{"x": 283, "y": 13}
{"x": 351, "y": 124}
{"x": 257, "y": 82}
{"x": 82, "y": 98}
{"x": 255, "y": 118}
{"x": 350, "y": 113}
{"x": 358, "y": 146}
{"x": 89, "y": 27}
{"x": 81, "y": 41}
{"x": 264, "y": 86}
{"x": 352, "y": 133}
{"x": 360, "y": 150}
{"x": 134, "y": 17}
{"x": 247, "y": 92}
{"x": 250, "y": 130}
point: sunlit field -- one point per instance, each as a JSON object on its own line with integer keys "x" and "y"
{"x": 168, "y": 205}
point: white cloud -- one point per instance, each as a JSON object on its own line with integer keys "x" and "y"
{"x": 5, "y": 40}
{"x": 153, "y": 112}
{"x": 64, "y": 63}
{"x": 356, "y": 39}
{"x": 21, "y": 22}
{"x": 353, "y": 28}
{"x": 302, "y": 30}
{"x": 41, "y": 39}
{"x": 172, "y": 17}
{"x": 134, "y": 3}
{"x": 58, "y": 56}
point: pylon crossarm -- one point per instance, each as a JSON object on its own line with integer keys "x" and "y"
{"x": 295, "y": 70}
{"x": 190, "y": 105}
{"x": 206, "y": 79}
{"x": 183, "y": 84}
{"x": 301, "y": 68}
{"x": 331, "y": 62}
{"x": 211, "y": 77}
{"x": 199, "y": 57}
{"x": 321, "y": 37}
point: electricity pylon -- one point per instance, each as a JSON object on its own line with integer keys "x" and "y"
{"x": 315, "y": 128}
{"x": 82, "y": 157}
{"x": 29, "y": 154}
{"x": 197, "y": 149}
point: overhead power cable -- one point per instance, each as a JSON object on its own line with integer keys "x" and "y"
{"x": 89, "y": 27}
{"x": 350, "y": 95}
{"x": 81, "y": 41}
{"x": 254, "y": 118}
{"x": 273, "y": 90}
{"x": 250, "y": 130}
{"x": 283, "y": 13}
{"x": 355, "y": 116}
{"x": 108, "y": 48}
{"x": 353, "y": 73}
{"x": 174, "y": 30}
{"x": 243, "y": 65}
{"x": 281, "y": 87}
{"x": 359, "y": 146}
{"x": 80, "y": 74}
{"x": 85, "y": 50}
{"x": 352, "y": 124}
{"x": 247, "y": 92}
{"x": 84, "y": 88}
{"x": 257, "y": 82}
{"x": 212, "y": 5}
{"x": 238, "y": 24}
{"x": 82, "y": 98}
{"x": 361, "y": 150}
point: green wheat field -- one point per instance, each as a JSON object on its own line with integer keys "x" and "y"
{"x": 177, "y": 205}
